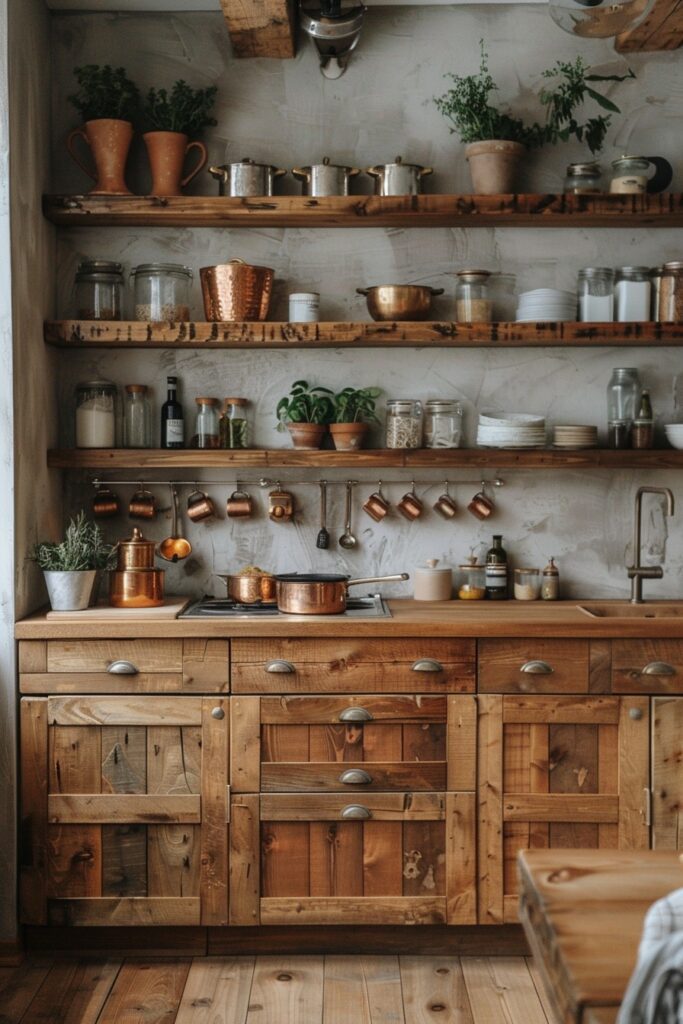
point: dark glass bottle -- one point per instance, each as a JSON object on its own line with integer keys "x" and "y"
{"x": 497, "y": 571}
{"x": 172, "y": 423}
{"x": 643, "y": 432}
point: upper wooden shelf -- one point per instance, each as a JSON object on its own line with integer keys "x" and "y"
{"x": 423, "y": 458}
{"x": 661, "y": 210}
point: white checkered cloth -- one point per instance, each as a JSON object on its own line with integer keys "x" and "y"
{"x": 655, "y": 991}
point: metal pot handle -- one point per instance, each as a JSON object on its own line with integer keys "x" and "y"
{"x": 376, "y": 172}
{"x": 301, "y": 172}
{"x": 425, "y": 171}
{"x": 353, "y": 171}
{"x": 396, "y": 578}
{"x": 437, "y": 291}
{"x": 363, "y": 291}
{"x": 278, "y": 172}
{"x": 220, "y": 173}
{"x": 237, "y": 260}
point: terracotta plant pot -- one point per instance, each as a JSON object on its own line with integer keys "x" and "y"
{"x": 348, "y": 437}
{"x": 307, "y": 436}
{"x": 167, "y": 152}
{"x": 493, "y": 165}
{"x": 109, "y": 141}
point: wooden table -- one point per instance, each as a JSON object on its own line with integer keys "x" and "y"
{"x": 582, "y": 912}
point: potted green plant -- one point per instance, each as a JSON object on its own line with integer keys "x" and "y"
{"x": 172, "y": 119}
{"x": 495, "y": 141}
{"x": 354, "y": 411}
{"x": 306, "y": 413}
{"x": 108, "y": 102}
{"x": 70, "y": 567}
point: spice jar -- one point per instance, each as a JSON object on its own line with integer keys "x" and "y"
{"x": 632, "y": 294}
{"x": 137, "y": 417}
{"x": 162, "y": 291}
{"x": 671, "y": 293}
{"x": 206, "y": 434}
{"x": 623, "y": 394}
{"x": 596, "y": 296}
{"x": 584, "y": 178}
{"x": 99, "y": 290}
{"x": 527, "y": 584}
{"x": 550, "y": 586}
{"x": 404, "y": 423}
{"x": 474, "y": 586}
{"x": 472, "y": 298}
{"x": 443, "y": 423}
{"x": 433, "y": 582}
{"x": 234, "y": 425}
{"x": 96, "y": 402}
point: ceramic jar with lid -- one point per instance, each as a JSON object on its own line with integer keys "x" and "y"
{"x": 433, "y": 582}
{"x": 583, "y": 178}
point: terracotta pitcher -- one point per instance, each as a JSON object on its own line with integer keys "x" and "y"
{"x": 109, "y": 140}
{"x": 167, "y": 152}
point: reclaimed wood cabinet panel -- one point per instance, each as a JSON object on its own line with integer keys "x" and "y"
{"x": 534, "y": 666}
{"x": 343, "y": 665}
{"x": 124, "y": 810}
{"x": 667, "y": 773}
{"x": 647, "y": 666}
{"x": 556, "y": 772}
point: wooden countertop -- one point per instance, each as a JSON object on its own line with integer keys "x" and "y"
{"x": 582, "y": 912}
{"x": 409, "y": 618}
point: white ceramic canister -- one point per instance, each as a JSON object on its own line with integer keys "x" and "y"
{"x": 433, "y": 582}
{"x": 304, "y": 307}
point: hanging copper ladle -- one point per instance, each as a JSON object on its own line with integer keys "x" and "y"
{"x": 175, "y": 547}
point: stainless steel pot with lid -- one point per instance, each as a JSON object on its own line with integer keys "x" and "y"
{"x": 246, "y": 178}
{"x": 325, "y": 179}
{"x": 398, "y": 179}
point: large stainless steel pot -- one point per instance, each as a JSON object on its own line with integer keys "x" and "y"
{"x": 399, "y": 301}
{"x": 246, "y": 178}
{"x": 325, "y": 179}
{"x": 398, "y": 179}
{"x": 321, "y": 594}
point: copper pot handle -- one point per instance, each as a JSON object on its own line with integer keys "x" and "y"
{"x": 437, "y": 291}
{"x": 363, "y": 291}
{"x": 79, "y": 133}
{"x": 204, "y": 156}
{"x": 236, "y": 259}
{"x": 220, "y": 173}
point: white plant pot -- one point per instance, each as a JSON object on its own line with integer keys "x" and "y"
{"x": 70, "y": 591}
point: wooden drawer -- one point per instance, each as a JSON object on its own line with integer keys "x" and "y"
{"x": 147, "y": 666}
{"x": 647, "y": 666}
{"x": 352, "y": 744}
{"x": 534, "y": 666}
{"x": 353, "y": 666}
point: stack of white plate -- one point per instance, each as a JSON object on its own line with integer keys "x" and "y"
{"x": 511, "y": 430}
{"x": 674, "y": 434}
{"x": 546, "y": 304}
{"x": 572, "y": 435}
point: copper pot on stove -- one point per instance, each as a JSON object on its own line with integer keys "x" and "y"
{"x": 251, "y": 588}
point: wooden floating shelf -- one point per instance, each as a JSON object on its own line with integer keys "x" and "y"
{"x": 664, "y": 209}
{"x": 78, "y": 334}
{"x": 423, "y": 458}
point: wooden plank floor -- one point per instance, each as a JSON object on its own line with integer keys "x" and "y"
{"x": 275, "y": 990}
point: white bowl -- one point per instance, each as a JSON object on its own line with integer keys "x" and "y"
{"x": 510, "y": 419}
{"x": 674, "y": 434}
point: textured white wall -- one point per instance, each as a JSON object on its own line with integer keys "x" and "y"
{"x": 287, "y": 113}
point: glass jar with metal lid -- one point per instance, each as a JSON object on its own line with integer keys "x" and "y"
{"x": 96, "y": 409}
{"x": 655, "y": 286}
{"x": 99, "y": 290}
{"x": 473, "y": 302}
{"x": 632, "y": 288}
{"x": 442, "y": 423}
{"x": 671, "y": 293}
{"x": 404, "y": 423}
{"x": 583, "y": 178}
{"x": 162, "y": 291}
{"x": 596, "y": 294}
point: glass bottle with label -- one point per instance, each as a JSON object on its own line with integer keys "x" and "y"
{"x": 497, "y": 570}
{"x": 172, "y": 421}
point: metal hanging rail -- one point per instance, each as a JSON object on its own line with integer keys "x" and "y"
{"x": 264, "y": 482}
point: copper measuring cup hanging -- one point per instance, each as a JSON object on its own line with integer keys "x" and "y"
{"x": 105, "y": 503}
{"x": 143, "y": 504}
{"x": 410, "y": 506}
{"x": 445, "y": 505}
{"x": 200, "y": 506}
{"x": 377, "y": 506}
{"x": 239, "y": 505}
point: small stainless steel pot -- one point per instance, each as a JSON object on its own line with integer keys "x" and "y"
{"x": 252, "y": 588}
{"x": 325, "y": 179}
{"x": 320, "y": 594}
{"x": 398, "y": 179}
{"x": 246, "y": 178}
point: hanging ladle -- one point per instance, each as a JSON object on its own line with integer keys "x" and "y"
{"x": 347, "y": 539}
{"x": 175, "y": 547}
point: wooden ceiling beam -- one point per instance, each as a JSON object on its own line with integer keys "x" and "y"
{"x": 261, "y": 28}
{"x": 661, "y": 30}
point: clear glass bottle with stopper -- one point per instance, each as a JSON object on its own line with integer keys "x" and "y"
{"x": 550, "y": 585}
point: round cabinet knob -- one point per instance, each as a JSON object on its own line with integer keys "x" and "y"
{"x": 636, "y": 714}
{"x": 218, "y": 713}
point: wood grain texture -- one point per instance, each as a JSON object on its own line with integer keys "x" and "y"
{"x": 287, "y": 989}
{"x": 245, "y": 885}
{"x": 214, "y": 869}
{"x": 461, "y": 743}
{"x": 461, "y": 858}
{"x": 32, "y": 656}
{"x": 261, "y": 28}
{"x": 365, "y": 990}
{"x": 320, "y": 710}
{"x": 667, "y": 777}
{"x": 501, "y": 990}
{"x": 340, "y": 910}
{"x": 18, "y": 987}
{"x": 570, "y": 710}
{"x": 500, "y": 666}
{"x": 146, "y": 990}
{"x": 587, "y": 807}
{"x": 434, "y": 990}
{"x": 55, "y": 683}
{"x": 124, "y": 847}
{"x": 96, "y": 655}
{"x": 631, "y": 657}
{"x": 125, "y": 910}
{"x": 634, "y": 772}
{"x": 490, "y": 810}
{"x": 661, "y": 29}
{"x": 128, "y": 711}
{"x": 329, "y": 806}
{"x": 107, "y": 809}
{"x": 74, "y": 851}
{"x": 33, "y": 782}
{"x": 206, "y": 665}
{"x": 217, "y": 989}
{"x": 73, "y": 992}
{"x": 299, "y": 777}
{"x": 245, "y": 744}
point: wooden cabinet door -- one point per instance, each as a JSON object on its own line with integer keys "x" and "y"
{"x": 557, "y": 772}
{"x": 124, "y": 810}
{"x": 667, "y": 773}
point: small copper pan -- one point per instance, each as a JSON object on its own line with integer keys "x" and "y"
{"x": 301, "y": 594}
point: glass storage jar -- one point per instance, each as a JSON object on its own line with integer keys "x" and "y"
{"x": 99, "y": 290}
{"x": 629, "y": 175}
{"x": 472, "y": 297}
{"x": 443, "y": 423}
{"x": 671, "y": 293}
{"x": 596, "y": 294}
{"x": 632, "y": 290}
{"x": 234, "y": 424}
{"x": 584, "y": 178}
{"x": 503, "y": 292}
{"x": 206, "y": 432}
{"x": 137, "y": 417}
{"x": 527, "y": 584}
{"x": 96, "y": 402}
{"x": 404, "y": 423}
{"x": 550, "y": 586}
{"x": 655, "y": 287}
{"x": 473, "y": 587}
{"x": 623, "y": 396}
{"x": 162, "y": 291}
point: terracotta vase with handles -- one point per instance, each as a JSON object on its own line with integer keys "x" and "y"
{"x": 109, "y": 140}
{"x": 167, "y": 152}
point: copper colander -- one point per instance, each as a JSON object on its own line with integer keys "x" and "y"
{"x": 236, "y": 291}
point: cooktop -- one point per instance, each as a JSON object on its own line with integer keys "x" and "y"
{"x": 371, "y": 606}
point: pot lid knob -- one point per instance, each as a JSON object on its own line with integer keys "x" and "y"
{"x": 326, "y": 160}
{"x": 432, "y": 563}
{"x": 398, "y": 160}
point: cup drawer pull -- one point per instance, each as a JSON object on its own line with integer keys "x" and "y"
{"x": 356, "y": 811}
{"x": 659, "y": 668}
{"x": 355, "y": 715}
{"x": 427, "y": 665}
{"x": 279, "y": 665}
{"x": 537, "y": 668}
{"x": 122, "y": 668}
{"x": 355, "y": 777}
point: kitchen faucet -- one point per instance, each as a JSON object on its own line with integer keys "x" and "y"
{"x": 637, "y": 573}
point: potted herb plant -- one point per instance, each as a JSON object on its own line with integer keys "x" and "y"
{"x": 70, "y": 567}
{"x": 108, "y": 102}
{"x": 306, "y": 413}
{"x": 173, "y": 119}
{"x": 354, "y": 411}
{"x": 495, "y": 141}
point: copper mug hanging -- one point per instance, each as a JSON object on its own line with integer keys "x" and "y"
{"x": 239, "y": 505}
{"x": 444, "y": 504}
{"x": 200, "y": 506}
{"x": 377, "y": 506}
{"x": 481, "y": 506}
{"x": 142, "y": 505}
{"x": 105, "y": 503}
{"x": 410, "y": 506}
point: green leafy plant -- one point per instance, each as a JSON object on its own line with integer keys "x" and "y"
{"x": 356, "y": 405}
{"x": 83, "y": 548}
{"x": 467, "y": 105}
{"x": 104, "y": 91}
{"x": 305, "y": 404}
{"x": 185, "y": 110}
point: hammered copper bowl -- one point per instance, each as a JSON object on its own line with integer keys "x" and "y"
{"x": 399, "y": 301}
{"x": 236, "y": 291}
{"x": 136, "y": 588}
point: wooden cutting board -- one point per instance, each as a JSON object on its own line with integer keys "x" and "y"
{"x": 170, "y": 609}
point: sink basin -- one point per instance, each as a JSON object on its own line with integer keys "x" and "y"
{"x": 621, "y": 610}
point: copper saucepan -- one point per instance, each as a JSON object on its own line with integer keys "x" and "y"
{"x": 250, "y": 588}
{"x": 320, "y": 594}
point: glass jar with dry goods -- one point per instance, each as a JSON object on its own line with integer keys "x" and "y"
{"x": 137, "y": 417}
{"x": 162, "y": 291}
{"x": 596, "y": 294}
{"x": 655, "y": 287}
{"x": 473, "y": 587}
{"x": 473, "y": 302}
{"x": 234, "y": 424}
{"x": 527, "y": 584}
{"x": 671, "y": 293}
{"x": 632, "y": 289}
{"x": 623, "y": 396}
{"x": 99, "y": 290}
{"x": 206, "y": 432}
{"x": 503, "y": 293}
{"x": 96, "y": 408}
{"x": 404, "y": 423}
{"x": 442, "y": 423}
{"x": 584, "y": 178}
